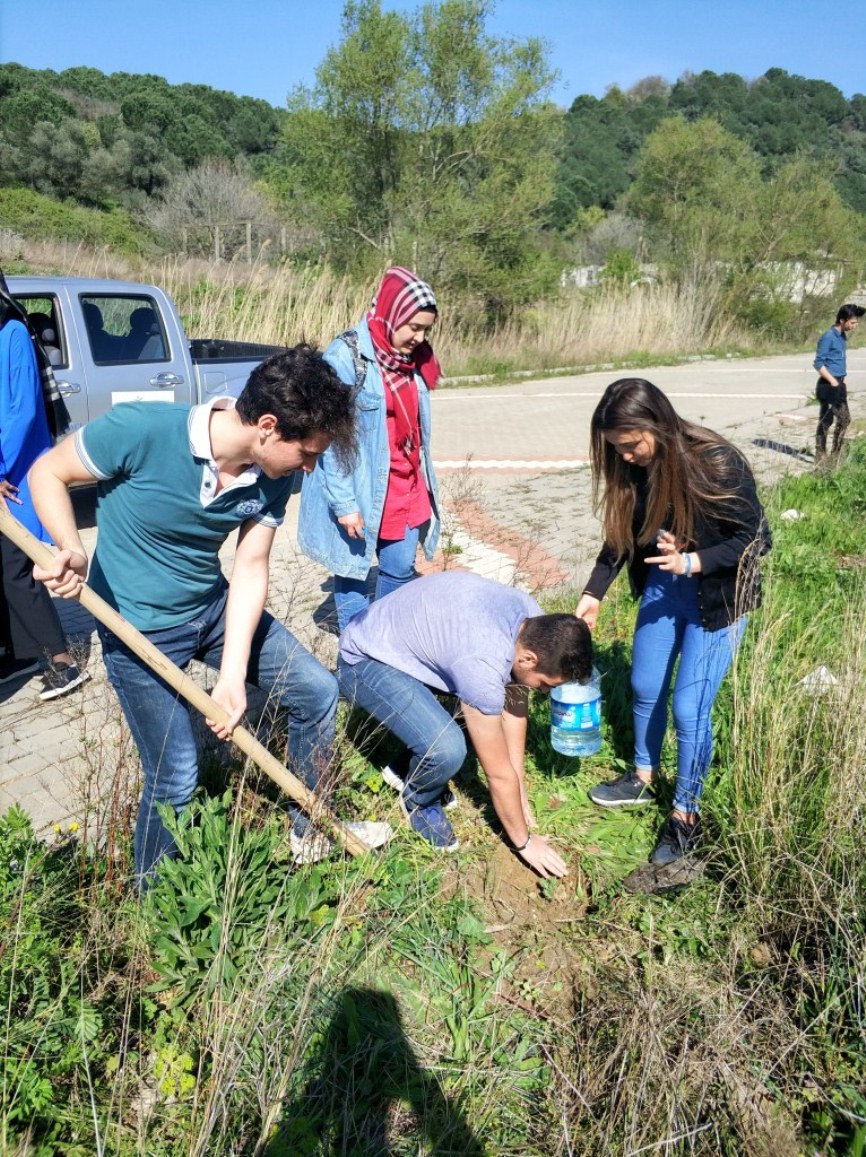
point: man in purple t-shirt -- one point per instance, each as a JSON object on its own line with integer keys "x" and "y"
{"x": 486, "y": 643}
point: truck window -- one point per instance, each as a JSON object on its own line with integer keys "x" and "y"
{"x": 44, "y": 315}
{"x": 122, "y": 328}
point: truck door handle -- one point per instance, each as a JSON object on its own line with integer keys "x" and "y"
{"x": 67, "y": 388}
{"x": 166, "y": 381}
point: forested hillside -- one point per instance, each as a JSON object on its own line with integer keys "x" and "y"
{"x": 117, "y": 140}
{"x": 778, "y": 115}
{"x": 425, "y": 140}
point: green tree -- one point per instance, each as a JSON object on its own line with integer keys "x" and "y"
{"x": 695, "y": 187}
{"x": 27, "y": 106}
{"x": 89, "y": 82}
{"x": 145, "y": 111}
{"x": 602, "y": 139}
{"x": 191, "y": 139}
{"x": 723, "y": 97}
{"x": 427, "y": 141}
{"x": 254, "y": 126}
{"x": 801, "y": 217}
{"x": 850, "y": 177}
{"x": 703, "y": 199}
{"x": 58, "y": 157}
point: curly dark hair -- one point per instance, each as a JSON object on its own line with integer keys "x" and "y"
{"x": 306, "y": 397}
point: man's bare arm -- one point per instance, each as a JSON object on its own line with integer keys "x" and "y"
{"x": 488, "y": 738}
{"x": 50, "y": 478}
{"x": 248, "y": 592}
{"x": 514, "y": 724}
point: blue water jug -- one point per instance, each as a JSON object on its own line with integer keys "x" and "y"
{"x": 575, "y": 717}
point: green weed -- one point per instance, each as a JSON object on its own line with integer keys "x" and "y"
{"x": 253, "y": 1007}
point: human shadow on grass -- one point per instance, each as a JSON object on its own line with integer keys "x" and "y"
{"x": 368, "y": 1094}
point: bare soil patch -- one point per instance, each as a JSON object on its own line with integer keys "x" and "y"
{"x": 513, "y": 898}
{"x": 534, "y": 921}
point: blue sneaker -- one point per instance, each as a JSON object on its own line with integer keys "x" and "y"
{"x": 432, "y": 824}
{"x": 677, "y": 839}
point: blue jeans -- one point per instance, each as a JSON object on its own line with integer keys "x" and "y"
{"x": 412, "y": 712}
{"x": 396, "y": 558}
{"x": 669, "y": 625}
{"x": 160, "y": 723}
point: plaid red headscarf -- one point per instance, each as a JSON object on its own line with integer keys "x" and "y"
{"x": 401, "y": 295}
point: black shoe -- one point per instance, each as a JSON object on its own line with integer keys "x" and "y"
{"x": 677, "y": 839}
{"x": 628, "y": 790}
{"x": 17, "y": 668}
{"x": 61, "y": 678}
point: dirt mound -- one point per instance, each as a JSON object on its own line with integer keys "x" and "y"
{"x": 514, "y": 898}
{"x": 533, "y": 920}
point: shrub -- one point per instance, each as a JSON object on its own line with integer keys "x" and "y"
{"x": 35, "y": 216}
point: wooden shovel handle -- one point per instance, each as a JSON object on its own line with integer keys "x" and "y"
{"x": 43, "y": 556}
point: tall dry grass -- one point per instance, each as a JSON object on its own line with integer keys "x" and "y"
{"x": 610, "y": 324}
{"x": 282, "y": 304}
{"x": 797, "y": 804}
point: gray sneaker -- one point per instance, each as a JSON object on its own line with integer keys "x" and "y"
{"x": 60, "y": 679}
{"x": 628, "y": 790}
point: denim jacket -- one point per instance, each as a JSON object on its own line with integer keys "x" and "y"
{"x": 328, "y": 493}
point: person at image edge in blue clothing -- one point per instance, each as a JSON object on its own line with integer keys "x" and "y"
{"x": 174, "y": 481}
{"x": 831, "y": 390}
{"x": 680, "y": 509}
{"x": 486, "y": 643}
{"x": 29, "y": 623}
{"x": 386, "y": 505}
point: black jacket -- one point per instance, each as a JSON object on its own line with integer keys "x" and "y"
{"x": 729, "y": 540}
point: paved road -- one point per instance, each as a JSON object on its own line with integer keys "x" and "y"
{"x": 519, "y": 511}
{"x": 549, "y": 420}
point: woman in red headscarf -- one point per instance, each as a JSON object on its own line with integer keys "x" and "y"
{"x": 387, "y": 504}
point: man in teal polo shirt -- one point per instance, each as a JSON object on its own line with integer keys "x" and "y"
{"x": 173, "y": 482}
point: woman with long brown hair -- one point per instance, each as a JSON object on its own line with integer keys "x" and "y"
{"x": 680, "y": 510}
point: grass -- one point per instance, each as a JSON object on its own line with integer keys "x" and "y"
{"x": 284, "y": 304}
{"x": 403, "y": 1005}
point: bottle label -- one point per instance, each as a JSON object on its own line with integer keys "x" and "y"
{"x": 576, "y": 716}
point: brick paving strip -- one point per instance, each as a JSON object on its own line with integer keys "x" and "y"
{"x": 524, "y": 518}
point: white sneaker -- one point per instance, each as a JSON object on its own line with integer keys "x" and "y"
{"x": 315, "y": 846}
{"x": 390, "y": 776}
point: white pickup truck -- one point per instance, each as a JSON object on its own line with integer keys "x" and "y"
{"x": 116, "y": 341}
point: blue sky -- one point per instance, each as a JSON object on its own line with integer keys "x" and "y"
{"x": 264, "y": 48}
